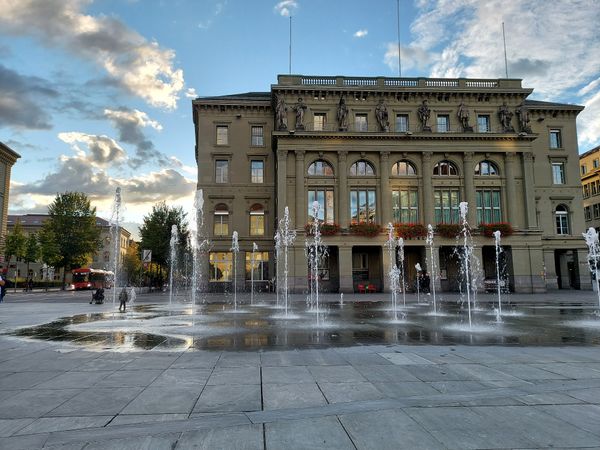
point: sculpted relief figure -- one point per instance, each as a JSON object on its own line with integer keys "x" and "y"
{"x": 424, "y": 113}
{"x": 463, "y": 117}
{"x": 381, "y": 113}
{"x": 505, "y": 117}
{"x": 300, "y": 109}
{"x": 342, "y": 115}
{"x": 281, "y": 114}
{"x": 523, "y": 117}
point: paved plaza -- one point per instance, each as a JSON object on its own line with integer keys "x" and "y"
{"x": 57, "y": 394}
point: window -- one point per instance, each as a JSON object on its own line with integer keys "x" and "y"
{"x": 488, "y": 206}
{"x": 257, "y": 137}
{"x": 555, "y": 139}
{"x": 583, "y": 169}
{"x": 403, "y": 168}
{"x": 593, "y": 188}
{"x": 483, "y": 123}
{"x": 401, "y": 123}
{"x": 561, "y": 215}
{"x": 260, "y": 266}
{"x": 257, "y": 171}
{"x": 222, "y": 135}
{"x": 222, "y": 171}
{"x": 362, "y": 168}
{"x": 405, "y": 207}
{"x": 486, "y": 168}
{"x": 445, "y": 168}
{"x": 446, "y": 205}
{"x": 221, "y": 264}
{"x": 586, "y": 190}
{"x": 319, "y": 121}
{"x": 588, "y": 213}
{"x": 221, "y": 220}
{"x": 443, "y": 123}
{"x": 558, "y": 173}
{"x": 320, "y": 168}
{"x": 257, "y": 220}
{"x": 362, "y": 206}
{"x": 596, "y": 163}
{"x": 596, "y": 208}
{"x": 325, "y": 199}
{"x": 360, "y": 122}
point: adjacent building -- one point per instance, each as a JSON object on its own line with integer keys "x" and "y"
{"x": 589, "y": 167}
{"x": 8, "y": 158}
{"x": 407, "y": 151}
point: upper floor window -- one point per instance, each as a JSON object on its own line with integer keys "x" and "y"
{"x": 221, "y": 171}
{"x": 405, "y": 206}
{"x": 583, "y": 169}
{"x": 360, "y": 122}
{"x": 257, "y": 171}
{"x": 221, "y": 220}
{"x": 362, "y": 206}
{"x": 362, "y": 168}
{"x": 319, "y": 121}
{"x": 445, "y": 168}
{"x": 403, "y": 168}
{"x": 257, "y": 220}
{"x": 486, "y": 168}
{"x": 561, "y": 215}
{"x": 320, "y": 167}
{"x": 555, "y": 139}
{"x": 325, "y": 199}
{"x": 596, "y": 163}
{"x": 443, "y": 123}
{"x": 586, "y": 190}
{"x": 558, "y": 173}
{"x": 446, "y": 203}
{"x": 222, "y": 135}
{"x": 483, "y": 123}
{"x": 401, "y": 123}
{"x": 257, "y": 136}
{"x": 588, "y": 213}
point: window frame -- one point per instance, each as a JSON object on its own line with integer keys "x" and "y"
{"x": 490, "y": 209}
{"x": 488, "y": 123}
{"x": 450, "y": 210}
{"x": 324, "y": 165}
{"x": 411, "y": 210}
{"x": 257, "y": 140}
{"x": 360, "y": 125}
{"x": 263, "y": 266}
{"x": 563, "y": 179}
{"x": 225, "y": 258}
{"x": 322, "y": 126}
{"x": 445, "y": 163}
{"x": 254, "y": 177}
{"x": 369, "y": 212}
{"x": 257, "y": 222}
{"x": 446, "y": 128}
{"x": 327, "y": 210}
{"x": 223, "y": 215}
{"x": 561, "y": 220}
{"x": 409, "y": 167}
{"x": 219, "y": 138}
{"x": 491, "y": 167}
{"x": 400, "y": 129}
{"x": 555, "y": 138}
{"x": 355, "y": 167}
{"x": 223, "y": 179}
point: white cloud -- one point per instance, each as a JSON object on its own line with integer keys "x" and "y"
{"x": 361, "y": 33}
{"x": 191, "y": 93}
{"x": 589, "y": 123}
{"x": 136, "y": 117}
{"x": 286, "y": 7}
{"x": 101, "y": 150}
{"x": 413, "y": 57}
{"x": 141, "y": 67}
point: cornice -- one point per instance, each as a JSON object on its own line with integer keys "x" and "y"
{"x": 406, "y": 137}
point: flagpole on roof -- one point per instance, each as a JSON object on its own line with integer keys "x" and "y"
{"x": 399, "y": 51}
{"x": 505, "y": 59}
{"x": 290, "y": 52}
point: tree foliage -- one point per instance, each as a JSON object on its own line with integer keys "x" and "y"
{"x": 49, "y": 250}
{"x": 132, "y": 264}
{"x": 15, "y": 243}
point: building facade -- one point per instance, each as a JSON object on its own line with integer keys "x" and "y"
{"x": 589, "y": 169}
{"x": 404, "y": 151}
{"x": 8, "y": 158}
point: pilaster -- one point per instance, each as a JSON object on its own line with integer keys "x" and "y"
{"x": 427, "y": 214}
{"x": 528, "y": 183}
{"x": 469, "y": 188}
{"x": 384, "y": 179}
{"x": 509, "y": 184}
{"x": 300, "y": 218}
{"x": 343, "y": 196}
{"x": 281, "y": 182}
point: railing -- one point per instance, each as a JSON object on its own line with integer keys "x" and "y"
{"x": 360, "y": 82}
{"x": 441, "y": 83}
{"x": 374, "y": 128}
{"x": 383, "y": 82}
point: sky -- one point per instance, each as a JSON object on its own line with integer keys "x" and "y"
{"x": 96, "y": 95}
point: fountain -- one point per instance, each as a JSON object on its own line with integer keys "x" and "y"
{"x": 235, "y": 248}
{"x": 315, "y": 250}
{"x": 465, "y": 255}
{"x": 393, "y": 272}
{"x": 592, "y": 241}
{"x": 252, "y": 262}
{"x": 401, "y": 269}
{"x": 285, "y": 236}
{"x": 341, "y": 299}
{"x": 115, "y": 224}
{"x": 432, "y": 269}
{"x": 199, "y": 217}
{"x": 497, "y": 235}
{"x": 172, "y": 259}
{"x": 419, "y": 269}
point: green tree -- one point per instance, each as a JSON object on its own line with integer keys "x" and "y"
{"x": 32, "y": 250}
{"x": 15, "y": 246}
{"x": 72, "y": 220}
{"x": 132, "y": 264}
{"x": 49, "y": 250}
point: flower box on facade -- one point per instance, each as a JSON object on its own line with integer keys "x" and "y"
{"x": 410, "y": 230}
{"x": 327, "y": 229}
{"x": 487, "y": 229}
{"x": 448, "y": 230}
{"x": 365, "y": 229}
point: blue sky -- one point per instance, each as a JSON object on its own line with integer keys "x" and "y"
{"x": 97, "y": 94}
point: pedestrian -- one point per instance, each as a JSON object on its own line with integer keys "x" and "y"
{"x": 425, "y": 283}
{"x": 30, "y": 284}
{"x": 2, "y": 285}
{"x": 123, "y": 298}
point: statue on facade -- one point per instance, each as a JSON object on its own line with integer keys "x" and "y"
{"x": 523, "y": 117}
{"x": 463, "y": 117}
{"x": 505, "y": 117}
{"x": 342, "y": 115}
{"x": 424, "y": 113}
{"x": 281, "y": 114}
{"x": 381, "y": 113}
{"x": 300, "y": 109}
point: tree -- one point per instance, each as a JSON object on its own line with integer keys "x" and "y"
{"x": 32, "y": 250}
{"x": 72, "y": 220}
{"x": 132, "y": 264}
{"x": 15, "y": 246}
{"x": 49, "y": 251}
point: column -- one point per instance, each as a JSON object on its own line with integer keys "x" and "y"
{"x": 345, "y": 262}
{"x": 426, "y": 215}
{"x": 529, "y": 190}
{"x": 469, "y": 188}
{"x": 509, "y": 169}
{"x": 300, "y": 194}
{"x": 343, "y": 196}
{"x": 384, "y": 179}
{"x": 281, "y": 182}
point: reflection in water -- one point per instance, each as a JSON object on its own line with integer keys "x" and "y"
{"x": 359, "y": 323}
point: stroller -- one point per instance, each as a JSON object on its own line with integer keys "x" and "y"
{"x": 98, "y": 297}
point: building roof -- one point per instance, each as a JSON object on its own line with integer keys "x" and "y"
{"x": 9, "y": 152}
{"x": 589, "y": 152}
{"x": 551, "y": 105}
{"x": 243, "y": 96}
{"x": 39, "y": 219}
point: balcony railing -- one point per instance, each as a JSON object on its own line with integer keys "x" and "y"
{"x": 374, "y": 128}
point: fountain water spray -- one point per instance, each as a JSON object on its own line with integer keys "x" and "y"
{"x": 235, "y": 248}
{"x": 466, "y": 253}
{"x": 592, "y": 241}
{"x": 432, "y": 269}
{"x": 173, "y": 259}
{"x": 284, "y": 237}
{"x": 115, "y": 224}
{"x": 419, "y": 269}
{"x": 393, "y": 273}
{"x": 252, "y": 262}
{"x": 196, "y": 236}
{"x": 341, "y": 299}
{"x": 277, "y": 268}
{"x": 315, "y": 251}
{"x": 401, "y": 269}
{"x": 497, "y": 235}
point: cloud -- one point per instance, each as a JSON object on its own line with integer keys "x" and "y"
{"x": 102, "y": 150}
{"x": 286, "y": 7}
{"x": 361, "y": 33}
{"x": 589, "y": 122}
{"x": 207, "y": 23}
{"x": 20, "y": 100}
{"x": 141, "y": 67}
{"x": 191, "y": 93}
{"x": 413, "y": 57}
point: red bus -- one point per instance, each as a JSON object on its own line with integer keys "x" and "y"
{"x": 92, "y": 279}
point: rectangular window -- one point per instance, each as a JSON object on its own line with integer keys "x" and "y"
{"x": 221, "y": 171}
{"x": 488, "y": 206}
{"x": 593, "y": 189}
{"x": 221, "y": 225}
{"x": 446, "y": 206}
{"x": 257, "y": 171}
{"x": 555, "y": 139}
{"x": 586, "y": 190}
{"x": 588, "y": 213}
{"x": 221, "y": 264}
{"x": 319, "y": 121}
{"x": 596, "y": 211}
{"x": 362, "y": 206}
{"x": 401, "y": 123}
{"x": 596, "y": 163}
{"x": 260, "y": 266}
{"x": 405, "y": 206}
{"x": 483, "y": 123}
{"x": 360, "y": 122}
{"x": 325, "y": 199}
{"x": 257, "y": 223}
{"x": 257, "y": 136}
{"x": 222, "y": 135}
{"x": 443, "y": 123}
{"x": 583, "y": 169}
{"x": 558, "y": 173}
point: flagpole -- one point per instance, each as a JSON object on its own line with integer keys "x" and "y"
{"x": 505, "y": 60}
{"x": 290, "y": 51}
{"x": 399, "y": 51}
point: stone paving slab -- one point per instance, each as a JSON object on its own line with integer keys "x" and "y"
{"x": 229, "y": 398}
{"x": 304, "y": 434}
{"x": 243, "y": 437}
{"x": 280, "y": 396}
{"x": 96, "y": 401}
{"x": 36, "y": 403}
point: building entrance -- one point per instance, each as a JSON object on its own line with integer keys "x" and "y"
{"x": 412, "y": 256}
{"x": 367, "y": 269}
{"x": 505, "y": 265}
{"x": 567, "y": 272}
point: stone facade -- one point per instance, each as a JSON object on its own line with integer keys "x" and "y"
{"x": 392, "y": 150}
{"x": 589, "y": 169}
{"x": 8, "y": 158}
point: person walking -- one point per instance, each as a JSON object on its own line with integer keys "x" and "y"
{"x": 2, "y": 286}
{"x": 123, "y": 298}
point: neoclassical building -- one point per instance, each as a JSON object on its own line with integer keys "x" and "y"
{"x": 589, "y": 166}
{"x": 406, "y": 151}
{"x": 8, "y": 158}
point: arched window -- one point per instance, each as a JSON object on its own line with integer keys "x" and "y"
{"x": 362, "y": 168}
{"x": 445, "y": 168}
{"x": 486, "y": 168}
{"x": 320, "y": 168}
{"x": 221, "y": 222}
{"x": 561, "y": 215}
{"x": 257, "y": 220}
{"x": 403, "y": 168}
